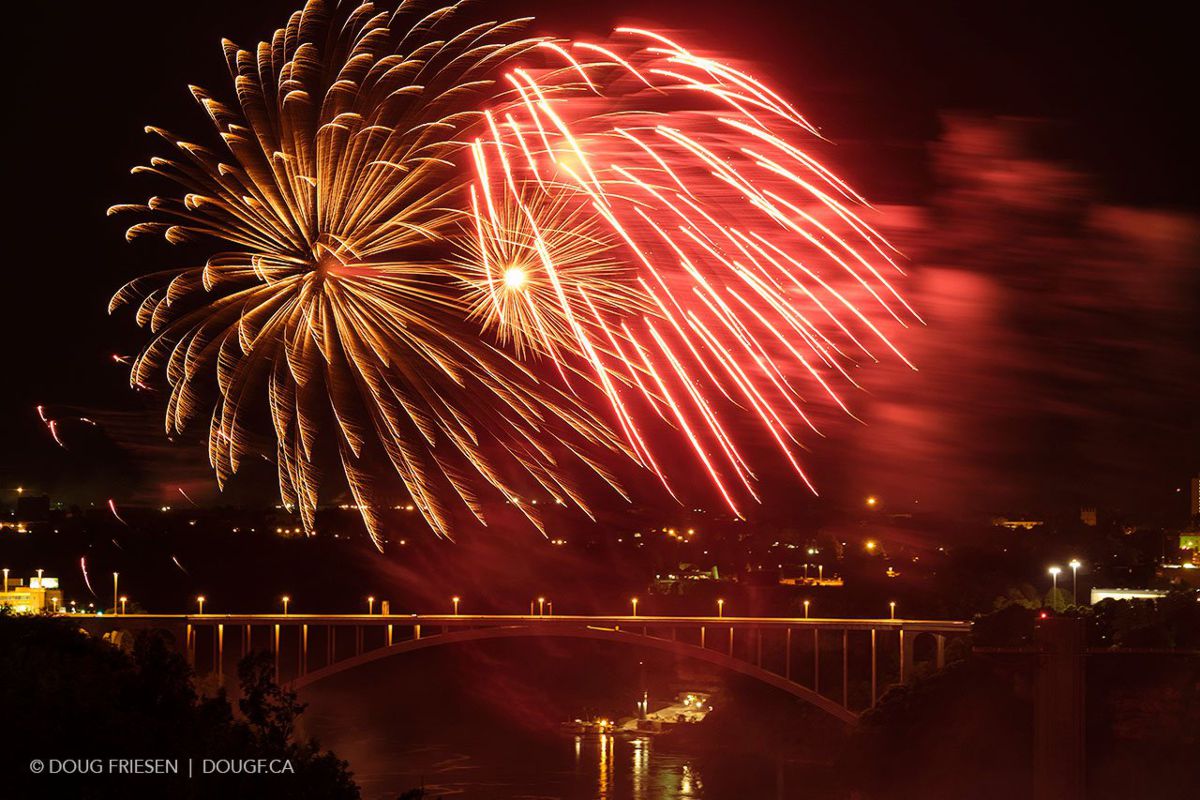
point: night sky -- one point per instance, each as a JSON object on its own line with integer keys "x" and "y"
{"x": 879, "y": 78}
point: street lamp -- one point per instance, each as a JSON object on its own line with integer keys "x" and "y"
{"x": 720, "y": 608}
{"x": 124, "y": 599}
{"x": 455, "y": 601}
{"x": 634, "y": 601}
{"x": 370, "y": 605}
{"x": 6, "y": 579}
{"x": 116, "y": 575}
{"x": 806, "y": 609}
{"x": 54, "y": 603}
{"x": 1074, "y": 565}
{"x": 541, "y": 606}
{"x": 286, "y": 600}
{"x": 200, "y": 602}
{"x": 892, "y": 608}
{"x": 1054, "y": 590}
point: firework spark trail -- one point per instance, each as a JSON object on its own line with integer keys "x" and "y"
{"x": 743, "y": 239}
{"x": 181, "y": 567}
{"x": 112, "y": 506}
{"x": 86, "y": 580}
{"x": 442, "y": 243}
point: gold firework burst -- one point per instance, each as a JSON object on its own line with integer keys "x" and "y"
{"x": 328, "y": 303}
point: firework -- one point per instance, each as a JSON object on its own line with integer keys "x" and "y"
{"x": 453, "y": 257}
{"x": 758, "y": 279}
{"x": 334, "y": 195}
{"x": 86, "y": 580}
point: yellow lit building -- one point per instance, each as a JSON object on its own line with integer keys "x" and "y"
{"x": 42, "y": 594}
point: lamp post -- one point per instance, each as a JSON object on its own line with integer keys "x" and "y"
{"x": 541, "y": 606}
{"x": 6, "y": 579}
{"x": 116, "y": 576}
{"x": 200, "y": 602}
{"x": 892, "y": 608}
{"x": 720, "y": 608}
{"x": 286, "y": 600}
{"x": 370, "y": 605}
{"x": 806, "y": 609}
{"x": 634, "y": 601}
{"x": 1074, "y": 565}
{"x": 54, "y": 603}
{"x": 124, "y": 599}
{"x": 455, "y": 601}
{"x": 1054, "y": 587}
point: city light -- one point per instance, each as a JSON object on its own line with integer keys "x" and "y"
{"x": 871, "y": 544}
{"x": 370, "y": 605}
{"x": 1054, "y": 571}
{"x": 200, "y": 602}
{"x": 720, "y": 608}
{"x": 872, "y": 501}
{"x": 455, "y": 601}
{"x": 541, "y": 606}
{"x": 286, "y": 600}
{"x": 806, "y": 609}
{"x": 634, "y": 601}
{"x": 892, "y": 609}
{"x": 123, "y": 601}
{"x": 1074, "y": 564}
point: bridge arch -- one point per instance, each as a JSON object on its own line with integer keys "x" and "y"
{"x": 675, "y": 647}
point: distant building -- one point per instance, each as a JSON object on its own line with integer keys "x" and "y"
{"x": 1022, "y": 524}
{"x": 42, "y": 594}
{"x": 1088, "y": 516}
{"x": 1099, "y": 594}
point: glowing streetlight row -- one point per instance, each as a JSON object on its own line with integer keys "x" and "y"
{"x": 545, "y": 606}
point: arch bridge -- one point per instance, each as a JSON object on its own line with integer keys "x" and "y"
{"x": 836, "y": 665}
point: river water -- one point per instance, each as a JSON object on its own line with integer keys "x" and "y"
{"x": 483, "y": 723}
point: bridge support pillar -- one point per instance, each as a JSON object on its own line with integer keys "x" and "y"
{"x": 845, "y": 668}
{"x": 874, "y": 664}
{"x": 907, "y": 652}
{"x": 817, "y": 660}
{"x": 1058, "y": 710}
{"x": 941, "y": 650}
{"x": 787, "y": 659}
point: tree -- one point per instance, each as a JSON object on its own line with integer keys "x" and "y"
{"x": 75, "y": 696}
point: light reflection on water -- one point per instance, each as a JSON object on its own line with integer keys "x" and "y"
{"x": 603, "y": 767}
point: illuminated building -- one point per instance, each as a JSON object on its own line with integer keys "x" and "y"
{"x": 1088, "y": 516}
{"x": 1099, "y": 594}
{"x": 42, "y": 594}
{"x": 1017, "y": 524}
